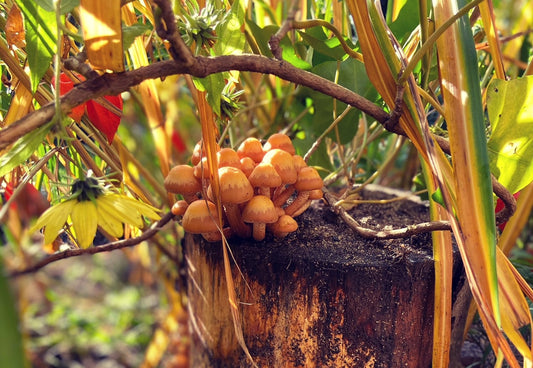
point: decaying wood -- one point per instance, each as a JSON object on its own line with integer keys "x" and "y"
{"x": 322, "y": 297}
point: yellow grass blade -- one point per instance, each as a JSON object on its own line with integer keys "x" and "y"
{"x": 20, "y": 104}
{"x": 487, "y": 15}
{"x": 475, "y": 229}
{"x": 102, "y": 32}
{"x": 209, "y": 133}
{"x": 150, "y": 96}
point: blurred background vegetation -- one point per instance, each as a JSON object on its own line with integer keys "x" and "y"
{"x": 124, "y": 309}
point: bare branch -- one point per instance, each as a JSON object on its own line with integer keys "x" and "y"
{"x": 112, "y": 84}
{"x": 154, "y": 229}
{"x": 166, "y": 29}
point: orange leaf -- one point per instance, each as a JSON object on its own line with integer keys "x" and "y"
{"x": 15, "y": 33}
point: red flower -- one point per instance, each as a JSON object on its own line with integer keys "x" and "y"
{"x": 103, "y": 119}
{"x": 177, "y": 142}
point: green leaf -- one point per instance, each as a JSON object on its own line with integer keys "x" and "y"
{"x": 64, "y": 7}
{"x": 214, "y": 85}
{"x": 262, "y": 36}
{"x": 11, "y": 349}
{"x": 352, "y": 75}
{"x": 330, "y": 48}
{"x": 22, "y": 149}
{"x": 130, "y": 32}
{"x": 231, "y": 39}
{"x": 510, "y": 108}
{"x": 40, "y": 38}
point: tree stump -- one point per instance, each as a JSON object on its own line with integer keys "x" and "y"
{"x": 321, "y": 297}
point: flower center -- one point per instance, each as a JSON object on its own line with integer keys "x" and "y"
{"x": 87, "y": 189}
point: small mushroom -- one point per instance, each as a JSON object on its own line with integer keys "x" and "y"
{"x": 259, "y": 211}
{"x": 234, "y": 190}
{"x": 181, "y": 180}
{"x": 200, "y": 217}
{"x": 308, "y": 180}
{"x": 285, "y": 225}
{"x": 283, "y": 163}
{"x": 228, "y": 157}
{"x": 179, "y": 208}
{"x": 281, "y": 141}
{"x": 247, "y": 165}
{"x": 251, "y": 147}
{"x": 199, "y": 152}
{"x": 264, "y": 176}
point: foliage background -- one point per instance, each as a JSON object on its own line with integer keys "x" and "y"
{"x": 137, "y": 297}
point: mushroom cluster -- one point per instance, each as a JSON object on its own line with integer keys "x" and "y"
{"x": 262, "y": 186}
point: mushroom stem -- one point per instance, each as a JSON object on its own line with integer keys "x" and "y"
{"x": 302, "y": 209}
{"x": 233, "y": 213}
{"x": 259, "y": 230}
{"x": 189, "y": 198}
{"x": 264, "y": 191}
{"x": 280, "y": 198}
{"x": 298, "y": 202}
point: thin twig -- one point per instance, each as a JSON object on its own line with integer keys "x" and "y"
{"x": 276, "y": 38}
{"x": 166, "y": 29}
{"x": 154, "y": 229}
{"x": 423, "y": 227}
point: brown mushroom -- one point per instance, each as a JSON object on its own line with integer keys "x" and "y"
{"x": 181, "y": 180}
{"x": 235, "y": 189}
{"x": 281, "y": 141}
{"x": 308, "y": 180}
{"x": 247, "y": 165}
{"x": 259, "y": 211}
{"x": 200, "y": 217}
{"x": 283, "y": 163}
{"x": 228, "y": 157}
{"x": 179, "y": 208}
{"x": 199, "y": 152}
{"x": 264, "y": 177}
{"x": 285, "y": 225}
{"x": 251, "y": 147}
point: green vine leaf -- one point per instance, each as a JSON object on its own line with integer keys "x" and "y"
{"x": 22, "y": 149}
{"x": 40, "y": 38}
{"x": 510, "y": 109}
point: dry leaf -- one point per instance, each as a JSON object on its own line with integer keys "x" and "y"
{"x": 15, "y": 34}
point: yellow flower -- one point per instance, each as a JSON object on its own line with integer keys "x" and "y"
{"x": 91, "y": 206}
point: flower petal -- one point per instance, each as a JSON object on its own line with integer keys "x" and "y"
{"x": 107, "y": 220}
{"x": 53, "y": 219}
{"x": 84, "y": 222}
{"x": 144, "y": 209}
{"x": 121, "y": 209}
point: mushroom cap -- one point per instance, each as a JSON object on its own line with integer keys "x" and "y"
{"x": 251, "y": 147}
{"x": 283, "y": 163}
{"x": 247, "y": 165}
{"x": 234, "y": 185}
{"x": 265, "y": 175}
{"x": 281, "y": 141}
{"x": 201, "y": 170}
{"x": 181, "y": 179}
{"x": 316, "y": 194}
{"x": 308, "y": 179}
{"x": 200, "y": 217}
{"x": 285, "y": 224}
{"x": 299, "y": 162}
{"x": 228, "y": 157}
{"x": 199, "y": 152}
{"x": 179, "y": 208}
{"x": 260, "y": 209}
